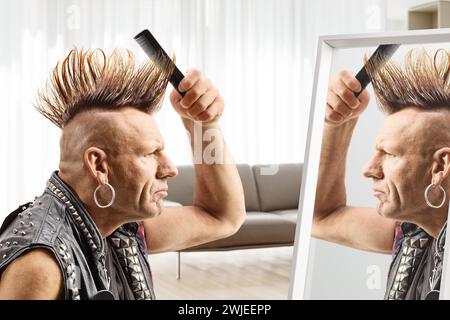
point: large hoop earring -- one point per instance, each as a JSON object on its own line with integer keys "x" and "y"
{"x": 428, "y": 201}
{"x": 112, "y": 199}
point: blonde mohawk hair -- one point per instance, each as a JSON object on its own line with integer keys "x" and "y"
{"x": 90, "y": 79}
{"x": 423, "y": 82}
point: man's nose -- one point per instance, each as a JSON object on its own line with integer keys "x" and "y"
{"x": 166, "y": 168}
{"x": 373, "y": 169}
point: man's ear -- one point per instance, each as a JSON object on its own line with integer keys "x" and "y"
{"x": 441, "y": 166}
{"x": 95, "y": 161}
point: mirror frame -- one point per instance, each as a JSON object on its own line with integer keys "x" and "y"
{"x": 303, "y": 254}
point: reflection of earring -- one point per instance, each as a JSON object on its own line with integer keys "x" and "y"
{"x": 428, "y": 201}
{"x": 112, "y": 199}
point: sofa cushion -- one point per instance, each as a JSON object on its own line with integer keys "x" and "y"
{"x": 290, "y": 215}
{"x": 249, "y": 185}
{"x": 181, "y": 187}
{"x": 260, "y": 229}
{"x": 279, "y": 189}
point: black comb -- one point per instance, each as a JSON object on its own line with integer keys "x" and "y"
{"x": 383, "y": 53}
{"x": 157, "y": 54}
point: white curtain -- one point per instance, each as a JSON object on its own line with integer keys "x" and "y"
{"x": 259, "y": 53}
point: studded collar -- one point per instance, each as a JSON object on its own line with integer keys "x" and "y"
{"x": 408, "y": 262}
{"x": 83, "y": 222}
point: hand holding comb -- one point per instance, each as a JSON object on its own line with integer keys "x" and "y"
{"x": 155, "y": 52}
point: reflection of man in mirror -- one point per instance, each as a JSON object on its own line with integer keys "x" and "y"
{"x": 86, "y": 236}
{"x": 410, "y": 170}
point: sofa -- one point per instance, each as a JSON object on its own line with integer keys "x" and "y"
{"x": 271, "y": 201}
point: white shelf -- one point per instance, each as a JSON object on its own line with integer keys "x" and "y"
{"x": 430, "y": 15}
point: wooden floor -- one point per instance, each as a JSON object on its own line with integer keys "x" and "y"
{"x": 240, "y": 274}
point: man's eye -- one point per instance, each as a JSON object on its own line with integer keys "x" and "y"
{"x": 390, "y": 154}
{"x": 153, "y": 153}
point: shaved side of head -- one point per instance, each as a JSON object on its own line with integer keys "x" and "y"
{"x": 430, "y": 129}
{"x": 114, "y": 132}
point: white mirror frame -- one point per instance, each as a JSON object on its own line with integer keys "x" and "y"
{"x": 303, "y": 253}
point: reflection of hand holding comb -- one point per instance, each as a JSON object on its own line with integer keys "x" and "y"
{"x": 383, "y": 53}
{"x": 155, "y": 52}
{"x": 342, "y": 105}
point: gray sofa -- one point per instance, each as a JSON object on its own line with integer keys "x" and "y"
{"x": 271, "y": 202}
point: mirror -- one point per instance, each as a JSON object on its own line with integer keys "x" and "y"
{"x": 326, "y": 270}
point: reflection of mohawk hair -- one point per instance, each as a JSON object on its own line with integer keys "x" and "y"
{"x": 423, "y": 82}
{"x": 87, "y": 80}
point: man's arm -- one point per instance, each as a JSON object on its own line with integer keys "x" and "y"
{"x": 36, "y": 275}
{"x": 335, "y": 221}
{"x": 218, "y": 208}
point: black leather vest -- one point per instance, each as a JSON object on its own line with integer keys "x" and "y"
{"x": 57, "y": 221}
{"x": 415, "y": 272}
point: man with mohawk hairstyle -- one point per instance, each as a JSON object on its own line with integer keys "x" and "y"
{"x": 88, "y": 234}
{"x": 410, "y": 170}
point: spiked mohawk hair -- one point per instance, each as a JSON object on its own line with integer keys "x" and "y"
{"x": 423, "y": 82}
{"x": 90, "y": 79}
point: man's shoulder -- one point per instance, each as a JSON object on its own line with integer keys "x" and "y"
{"x": 34, "y": 224}
{"x": 35, "y": 274}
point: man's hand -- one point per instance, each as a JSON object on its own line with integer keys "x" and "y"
{"x": 201, "y": 102}
{"x": 342, "y": 104}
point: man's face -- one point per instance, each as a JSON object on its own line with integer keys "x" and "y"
{"x": 139, "y": 166}
{"x": 401, "y": 166}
